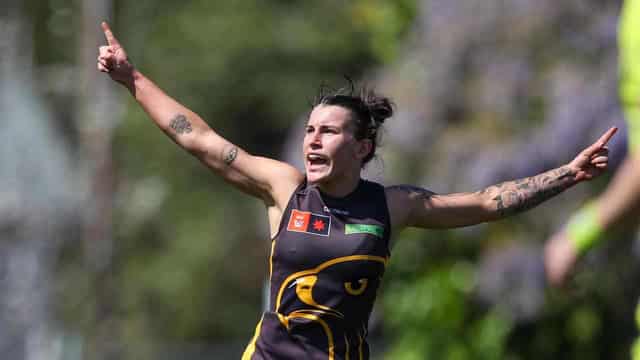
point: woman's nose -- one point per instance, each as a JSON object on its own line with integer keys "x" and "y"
{"x": 316, "y": 140}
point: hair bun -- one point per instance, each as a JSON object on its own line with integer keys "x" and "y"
{"x": 379, "y": 107}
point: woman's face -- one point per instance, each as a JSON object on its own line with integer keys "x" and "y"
{"x": 330, "y": 148}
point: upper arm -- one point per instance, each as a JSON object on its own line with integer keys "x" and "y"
{"x": 411, "y": 206}
{"x": 268, "y": 179}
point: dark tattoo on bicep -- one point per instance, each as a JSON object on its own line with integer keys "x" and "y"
{"x": 515, "y": 196}
{"x": 229, "y": 154}
{"x": 413, "y": 191}
{"x": 180, "y": 124}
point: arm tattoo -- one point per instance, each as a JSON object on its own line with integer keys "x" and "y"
{"x": 180, "y": 124}
{"x": 413, "y": 191}
{"x": 516, "y": 196}
{"x": 229, "y": 154}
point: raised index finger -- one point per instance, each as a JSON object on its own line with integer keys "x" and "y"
{"x": 111, "y": 40}
{"x": 604, "y": 139}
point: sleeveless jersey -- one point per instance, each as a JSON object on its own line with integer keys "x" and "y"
{"x": 327, "y": 262}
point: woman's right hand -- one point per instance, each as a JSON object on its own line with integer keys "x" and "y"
{"x": 112, "y": 59}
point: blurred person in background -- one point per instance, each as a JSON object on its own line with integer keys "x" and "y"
{"x": 330, "y": 228}
{"x": 618, "y": 207}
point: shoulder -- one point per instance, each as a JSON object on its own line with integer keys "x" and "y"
{"x": 369, "y": 185}
{"x": 402, "y": 200}
{"x": 285, "y": 179}
{"x": 403, "y": 192}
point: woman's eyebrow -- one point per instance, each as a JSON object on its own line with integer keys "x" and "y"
{"x": 329, "y": 127}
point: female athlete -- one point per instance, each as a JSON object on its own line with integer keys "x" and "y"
{"x": 330, "y": 228}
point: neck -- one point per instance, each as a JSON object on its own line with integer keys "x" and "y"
{"x": 341, "y": 188}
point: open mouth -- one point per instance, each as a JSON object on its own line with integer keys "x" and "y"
{"x": 317, "y": 160}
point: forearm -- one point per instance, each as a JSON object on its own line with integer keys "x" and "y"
{"x": 179, "y": 123}
{"x": 516, "y": 196}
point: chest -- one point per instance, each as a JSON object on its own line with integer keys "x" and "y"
{"x": 317, "y": 230}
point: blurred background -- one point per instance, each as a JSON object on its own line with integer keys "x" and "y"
{"x": 115, "y": 244}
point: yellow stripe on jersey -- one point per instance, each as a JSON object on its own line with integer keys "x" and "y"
{"x": 346, "y": 344}
{"x": 273, "y": 247}
{"x": 325, "y": 327}
{"x": 251, "y": 348}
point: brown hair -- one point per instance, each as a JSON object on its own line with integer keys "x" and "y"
{"x": 369, "y": 110}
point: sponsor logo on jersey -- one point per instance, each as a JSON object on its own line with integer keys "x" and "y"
{"x": 308, "y": 222}
{"x": 336, "y": 211}
{"x": 376, "y": 230}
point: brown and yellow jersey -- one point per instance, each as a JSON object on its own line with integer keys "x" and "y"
{"x": 327, "y": 262}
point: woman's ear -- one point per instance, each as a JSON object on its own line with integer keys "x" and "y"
{"x": 365, "y": 146}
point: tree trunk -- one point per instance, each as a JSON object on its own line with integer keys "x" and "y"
{"x": 35, "y": 199}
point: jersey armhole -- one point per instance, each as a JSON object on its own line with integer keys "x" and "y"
{"x": 287, "y": 209}
{"x": 387, "y": 220}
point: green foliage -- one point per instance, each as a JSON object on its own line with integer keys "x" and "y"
{"x": 386, "y": 21}
{"x": 583, "y": 325}
{"x": 432, "y": 318}
{"x": 261, "y": 62}
{"x": 53, "y": 25}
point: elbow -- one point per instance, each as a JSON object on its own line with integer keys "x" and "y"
{"x": 191, "y": 145}
{"x": 196, "y": 143}
{"x": 492, "y": 210}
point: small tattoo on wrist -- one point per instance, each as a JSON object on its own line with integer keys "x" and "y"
{"x": 180, "y": 124}
{"x": 229, "y": 154}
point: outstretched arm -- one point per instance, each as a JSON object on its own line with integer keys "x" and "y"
{"x": 412, "y": 206}
{"x": 267, "y": 179}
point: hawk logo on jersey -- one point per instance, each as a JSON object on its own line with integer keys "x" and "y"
{"x": 308, "y": 222}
